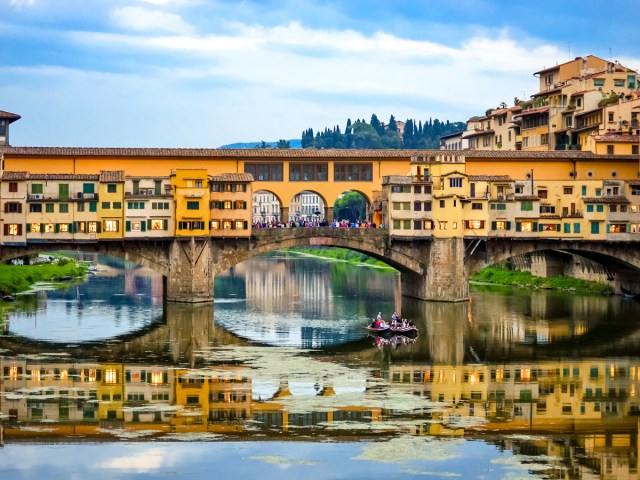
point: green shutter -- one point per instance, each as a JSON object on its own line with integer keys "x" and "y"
{"x": 518, "y": 226}
{"x": 567, "y": 228}
{"x": 166, "y": 224}
{"x": 57, "y": 228}
{"x": 493, "y": 225}
{"x": 508, "y": 225}
{"x": 535, "y": 226}
{"x": 576, "y": 228}
{"x": 246, "y": 225}
{"x": 28, "y": 227}
{"x": 143, "y": 226}
{"x": 98, "y": 227}
{"x": 128, "y": 226}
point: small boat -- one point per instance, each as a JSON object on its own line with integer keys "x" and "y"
{"x": 379, "y": 330}
{"x": 8, "y": 298}
{"x": 408, "y": 330}
{"x": 66, "y": 278}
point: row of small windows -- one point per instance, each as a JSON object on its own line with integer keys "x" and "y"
{"x": 215, "y": 225}
{"x": 316, "y": 172}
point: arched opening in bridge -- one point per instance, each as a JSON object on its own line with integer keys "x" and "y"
{"x": 353, "y": 207}
{"x": 609, "y": 266}
{"x": 305, "y": 296}
{"x": 309, "y": 207}
{"x": 80, "y": 297}
{"x": 267, "y": 208}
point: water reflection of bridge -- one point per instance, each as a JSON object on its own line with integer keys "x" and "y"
{"x": 449, "y": 334}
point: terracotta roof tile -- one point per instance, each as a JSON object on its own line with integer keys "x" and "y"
{"x": 64, "y": 176}
{"x": 620, "y": 138}
{"x": 8, "y": 176}
{"x": 232, "y": 177}
{"x": 112, "y": 176}
{"x": 297, "y": 153}
{"x": 490, "y": 178}
{"x": 606, "y": 199}
{"x": 526, "y": 198}
{"x": 12, "y": 117}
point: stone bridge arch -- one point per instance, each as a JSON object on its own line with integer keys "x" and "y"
{"x": 365, "y": 240}
{"x": 619, "y": 260}
{"x": 148, "y": 253}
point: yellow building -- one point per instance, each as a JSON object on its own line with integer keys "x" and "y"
{"x": 191, "y": 197}
{"x": 110, "y": 207}
{"x": 231, "y": 205}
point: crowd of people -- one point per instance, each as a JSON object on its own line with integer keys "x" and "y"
{"x": 315, "y": 223}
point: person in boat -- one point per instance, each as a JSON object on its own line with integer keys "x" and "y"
{"x": 379, "y": 317}
{"x": 394, "y": 319}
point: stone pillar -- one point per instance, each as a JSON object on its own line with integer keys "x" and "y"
{"x": 190, "y": 331}
{"x": 328, "y": 214}
{"x": 447, "y": 278}
{"x": 284, "y": 214}
{"x": 548, "y": 264}
{"x": 190, "y": 278}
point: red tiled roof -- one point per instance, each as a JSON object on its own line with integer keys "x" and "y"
{"x": 12, "y": 117}
{"x": 490, "y": 178}
{"x": 606, "y": 199}
{"x": 526, "y": 197}
{"x": 619, "y": 138}
{"x": 531, "y": 111}
{"x": 64, "y": 176}
{"x": 215, "y": 152}
{"x": 8, "y": 176}
{"x": 112, "y": 175}
{"x": 232, "y": 177}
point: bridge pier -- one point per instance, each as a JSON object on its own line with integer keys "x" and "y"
{"x": 447, "y": 278}
{"x": 191, "y": 273}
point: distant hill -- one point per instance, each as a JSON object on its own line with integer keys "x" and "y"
{"x": 296, "y": 143}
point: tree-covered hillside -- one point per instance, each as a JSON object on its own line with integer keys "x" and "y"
{"x": 375, "y": 134}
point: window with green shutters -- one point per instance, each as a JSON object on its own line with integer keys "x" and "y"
{"x": 193, "y": 205}
{"x": 526, "y": 206}
{"x": 37, "y": 188}
{"x": 599, "y": 208}
{"x": 567, "y": 228}
{"x": 93, "y": 206}
{"x": 49, "y": 207}
{"x": 589, "y": 208}
{"x": 63, "y": 191}
{"x": 112, "y": 188}
{"x": 88, "y": 188}
{"x": 576, "y": 228}
{"x": 595, "y": 227}
{"x": 64, "y": 208}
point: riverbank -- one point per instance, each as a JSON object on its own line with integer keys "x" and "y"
{"x": 342, "y": 254}
{"x": 515, "y": 278}
{"x": 18, "y": 278}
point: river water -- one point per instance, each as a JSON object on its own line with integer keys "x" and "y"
{"x": 279, "y": 379}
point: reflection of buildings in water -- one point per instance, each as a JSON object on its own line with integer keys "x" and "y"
{"x": 539, "y": 317}
{"x": 143, "y": 281}
{"x": 591, "y": 406}
{"x": 275, "y": 286}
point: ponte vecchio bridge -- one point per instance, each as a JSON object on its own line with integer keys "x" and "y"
{"x": 431, "y": 269}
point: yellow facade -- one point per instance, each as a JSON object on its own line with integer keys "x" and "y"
{"x": 230, "y": 205}
{"x": 191, "y": 196}
{"x": 111, "y": 205}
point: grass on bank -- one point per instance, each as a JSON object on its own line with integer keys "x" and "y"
{"x": 515, "y": 278}
{"x": 18, "y": 278}
{"x": 343, "y": 254}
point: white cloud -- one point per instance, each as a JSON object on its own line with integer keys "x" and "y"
{"x": 22, "y": 2}
{"x": 142, "y": 19}
{"x": 149, "y": 460}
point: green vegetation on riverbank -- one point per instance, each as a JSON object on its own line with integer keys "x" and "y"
{"x": 515, "y": 278}
{"x": 18, "y": 278}
{"x": 343, "y": 254}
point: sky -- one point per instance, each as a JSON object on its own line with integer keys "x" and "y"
{"x": 206, "y": 73}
